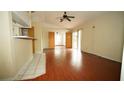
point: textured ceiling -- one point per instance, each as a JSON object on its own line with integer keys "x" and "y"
{"x": 50, "y": 19}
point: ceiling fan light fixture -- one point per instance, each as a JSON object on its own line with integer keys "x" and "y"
{"x": 65, "y": 16}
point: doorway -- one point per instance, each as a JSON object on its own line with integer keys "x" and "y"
{"x": 68, "y": 39}
{"x": 51, "y": 39}
{"x": 76, "y": 40}
{"x": 59, "y": 39}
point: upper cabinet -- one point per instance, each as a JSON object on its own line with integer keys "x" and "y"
{"x": 22, "y": 17}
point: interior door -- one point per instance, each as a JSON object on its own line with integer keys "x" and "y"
{"x": 51, "y": 39}
{"x": 69, "y": 40}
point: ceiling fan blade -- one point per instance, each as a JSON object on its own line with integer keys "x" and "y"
{"x": 65, "y": 13}
{"x": 68, "y": 19}
{"x": 32, "y": 11}
{"x": 61, "y": 20}
{"x": 71, "y": 16}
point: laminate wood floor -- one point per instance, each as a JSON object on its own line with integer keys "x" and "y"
{"x": 71, "y": 64}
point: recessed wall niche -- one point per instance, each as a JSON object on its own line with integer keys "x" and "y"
{"x": 24, "y": 31}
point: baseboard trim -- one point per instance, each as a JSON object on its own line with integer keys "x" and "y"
{"x": 48, "y": 48}
{"x": 101, "y": 56}
{"x": 59, "y": 45}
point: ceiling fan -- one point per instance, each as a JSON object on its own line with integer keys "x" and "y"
{"x": 65, "y": 16}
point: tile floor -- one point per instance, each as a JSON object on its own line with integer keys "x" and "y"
{"x": 33, "y": 69}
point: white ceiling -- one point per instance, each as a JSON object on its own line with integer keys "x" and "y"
{"x": 50, "y": 19}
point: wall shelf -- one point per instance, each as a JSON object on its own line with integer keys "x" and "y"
{"x": 24, "y": 37}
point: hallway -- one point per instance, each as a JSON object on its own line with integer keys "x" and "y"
{"x": 68, "y": 64}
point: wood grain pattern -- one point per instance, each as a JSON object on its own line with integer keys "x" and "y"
{"x": 68, "y": 64}
{"x": 69, "y": 40}
{"x": 51, "y": 39}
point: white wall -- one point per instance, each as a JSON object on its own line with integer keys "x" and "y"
{"x": 45, "y": 39}
{"x": 21, "y": 48}
{"x": 38, "y": 36}
{"x": 122, "y": 68}
{"x": 14, "y": 53}
{"x": 106, "y": 39}
{"x": 22, "y": 52}
{"x": 6, "y": 65}
{"x": 41, "y": 34}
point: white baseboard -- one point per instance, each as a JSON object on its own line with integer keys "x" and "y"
{"x": 107, "y": 57}
{"x": 97, "y": 54}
